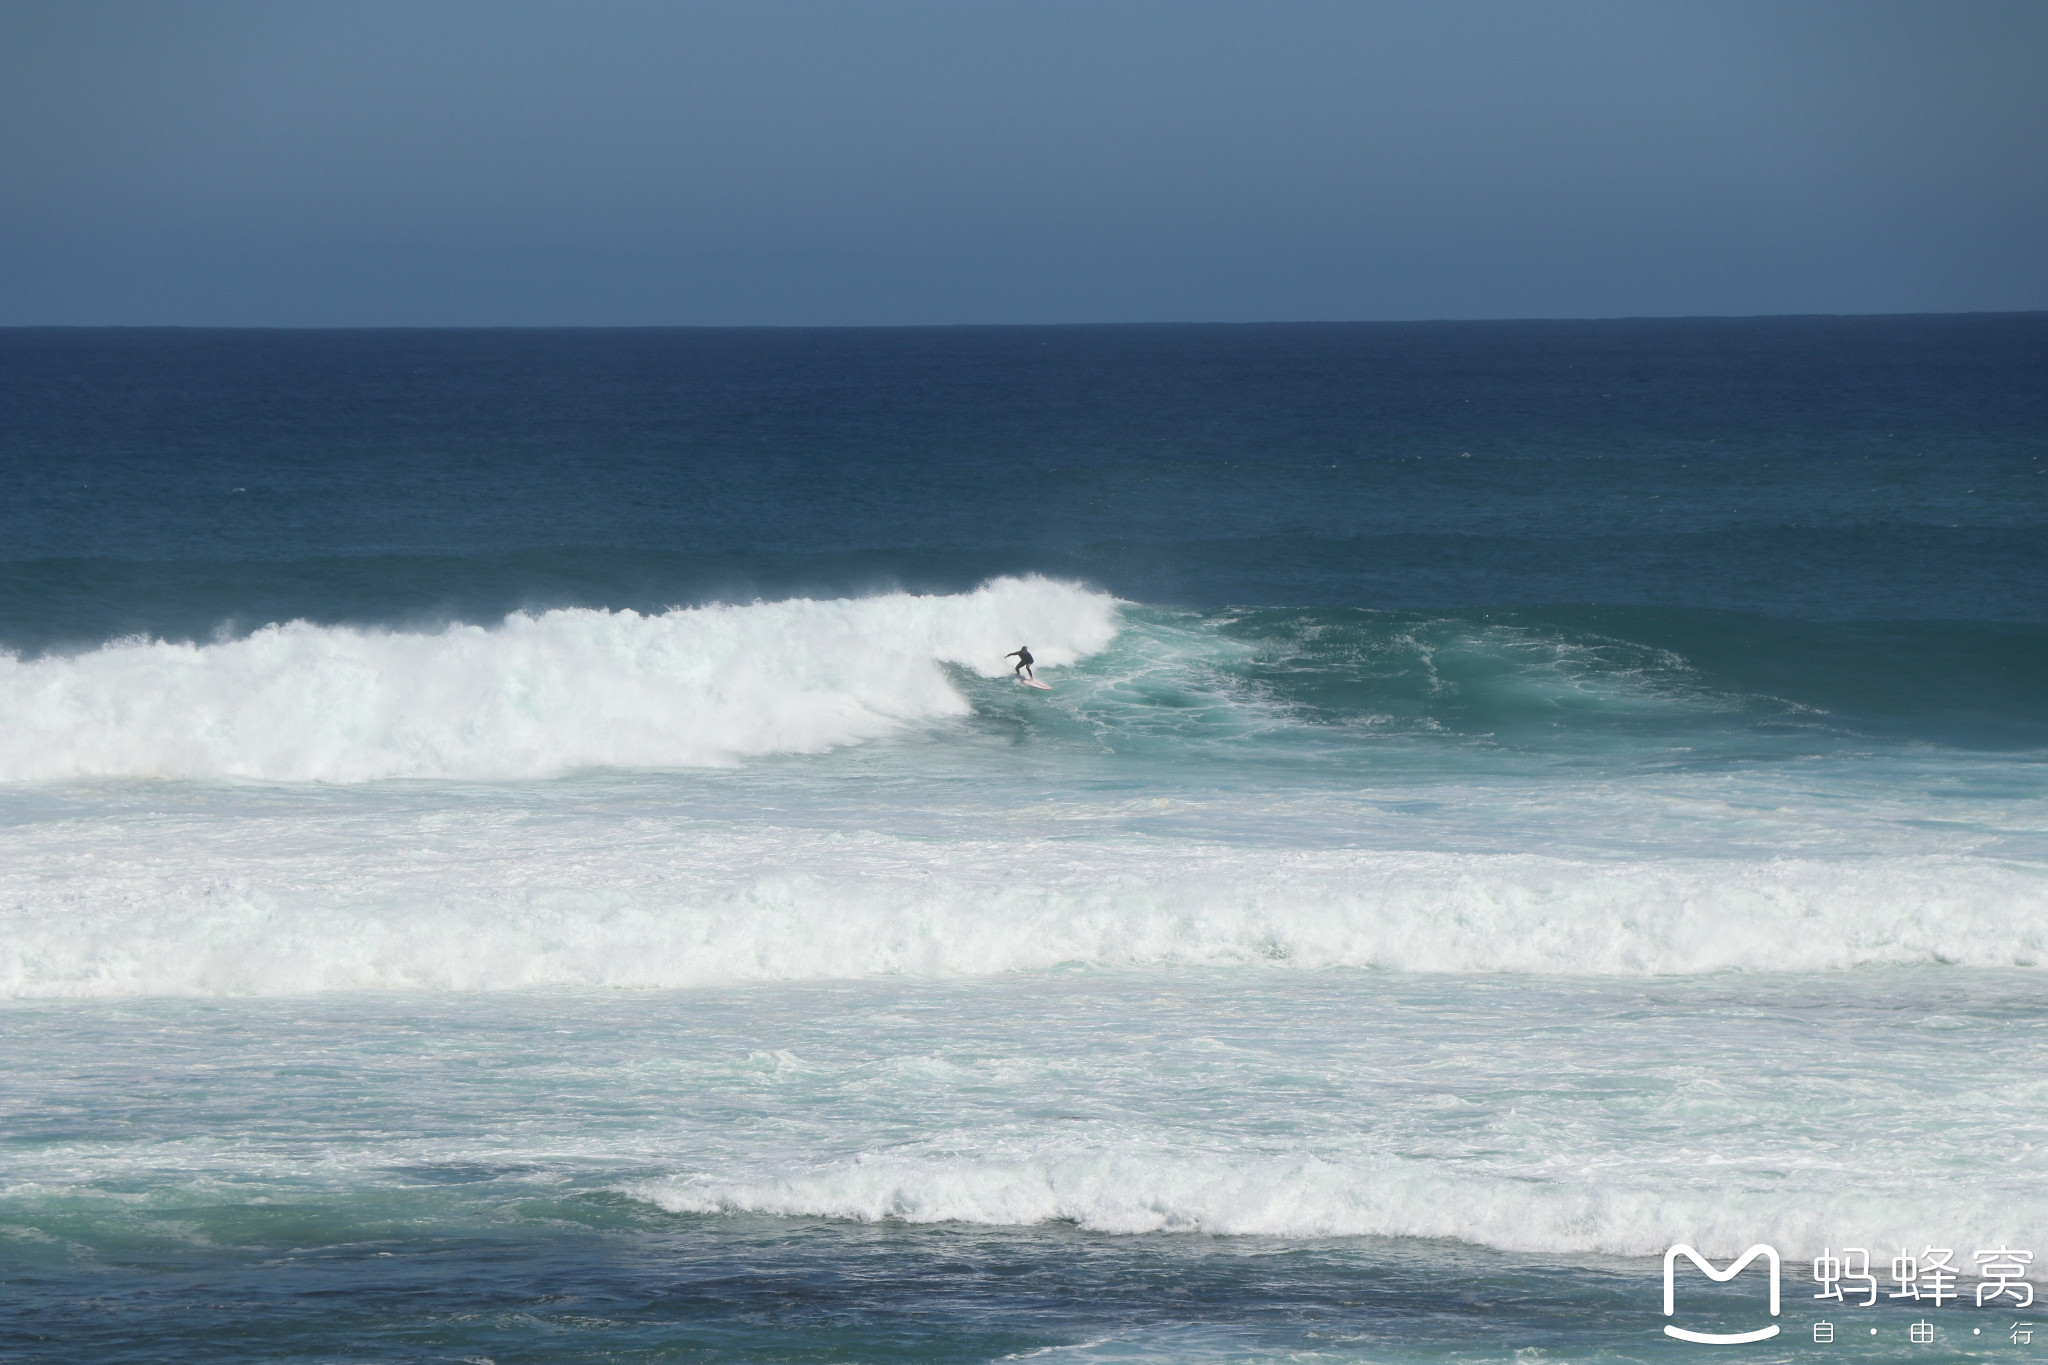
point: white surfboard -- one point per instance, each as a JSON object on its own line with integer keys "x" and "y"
{"x": 1033, "y": 682}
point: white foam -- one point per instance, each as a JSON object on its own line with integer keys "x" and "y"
{"x": 1141, "y": 1189}
{"x": 534, "y": 696}
{"x": 439, "y": 899}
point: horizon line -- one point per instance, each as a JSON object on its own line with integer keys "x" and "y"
{"x": 983, "y": 326}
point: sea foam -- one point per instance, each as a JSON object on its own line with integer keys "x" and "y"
{"x": 1146, "y": 1188}
{"x": 534, "y": 696}
{"x": 162, "y": 905}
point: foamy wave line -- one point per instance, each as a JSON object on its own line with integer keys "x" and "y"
{"x": 532, "y": 697}
{"x": 1262, "y": 1194}
{"x": 247, "y": 910}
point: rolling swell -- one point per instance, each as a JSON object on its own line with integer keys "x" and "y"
{"x": 1527, "y": 672}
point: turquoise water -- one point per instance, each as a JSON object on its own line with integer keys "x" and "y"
{"x": 1104, "y": 1165}
{"x": 523, "y": 846}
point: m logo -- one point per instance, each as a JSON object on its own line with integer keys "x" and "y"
{"x": 1722, "y": 1276}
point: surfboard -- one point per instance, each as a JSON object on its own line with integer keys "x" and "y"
{"x": 1033, "y": 682}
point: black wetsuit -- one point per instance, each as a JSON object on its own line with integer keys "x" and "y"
{"x": 1023, "y": 658}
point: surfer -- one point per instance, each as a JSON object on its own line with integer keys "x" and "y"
{"x": 1022, "y": 654}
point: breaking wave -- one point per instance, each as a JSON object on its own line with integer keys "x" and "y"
{"x": 1138, "y": 1188}
{"x": 535, "y": 696}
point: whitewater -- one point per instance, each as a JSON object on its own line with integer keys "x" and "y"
{"x": 381, "y": 899}
{"x": 534, "y": 696}
{"x": 328, "y": 808}
{"x": 526, "y": 846}
{"x": 1558, "y": 1117}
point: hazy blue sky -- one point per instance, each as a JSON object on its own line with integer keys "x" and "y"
{"x": 589, "y": 162}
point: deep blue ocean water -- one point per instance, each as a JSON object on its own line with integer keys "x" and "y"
{"x": 522, "y": 845}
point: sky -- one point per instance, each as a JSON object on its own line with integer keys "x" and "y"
{"x": 835, "y": 162}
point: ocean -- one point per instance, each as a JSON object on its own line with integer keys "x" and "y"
{"x": 523, "y": 846}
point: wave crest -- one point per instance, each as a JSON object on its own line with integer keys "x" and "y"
{"x": 535, "y": 696}
{"x": 1138, "y": 1188}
